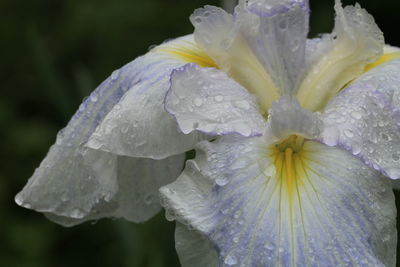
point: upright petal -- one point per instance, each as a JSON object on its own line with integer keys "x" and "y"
{"x": 356, "y": 42}
{"x": 207, "y": 100}
{"x": 74, "y": 182}
{"x": 259, "y": 207}
{"x": 365, "y": 119}
{"x": 218, "y": 33}
{"x": 276, "y": 32}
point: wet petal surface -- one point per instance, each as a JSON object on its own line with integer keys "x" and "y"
{"x": 276, "y": 32}
{"x": 75, "y": 183}
{"x": 207, "y": 100}
{"x": 365, "y": 119}
{"x": 139, "y": 126}
{"x": 319, "y": 207}
{"x": 356, "y": 42}
{"x": 193, "y": 249}
{"x": 218, "y": 33}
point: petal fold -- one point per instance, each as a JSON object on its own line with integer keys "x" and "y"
{"x": 287, "y": 117}
{"x": 365, "y": 119}
{"x": 319, "y": 207}
{"x": 139, "y": 126}
{"x": 218, "y": 33}
{"x": 207, "y": 100}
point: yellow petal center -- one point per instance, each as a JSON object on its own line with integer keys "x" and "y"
{"x": 288, "y": 157}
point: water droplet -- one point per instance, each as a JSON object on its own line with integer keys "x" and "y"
{"x": 385, "y": 137}
{"x": 331, "y": 136}
{"x": 269, "y": 246}
{"x": 283, "y": 24}
{"x": 94, "y": 97}
{"x": 115, "y": 75}
{"x": 148, "y": 199}
{"x": 82, "y": 107}
{"x": 348, "y": 133}
{"x": 356, "y": 149}
{"x": 221, "y": 181}
{"x": 395, "y": 156}
{"x": 18, "y": 199}
{"x": 64, "y": 197}
{"x": 198, "y": 102}
{"x": 219, "y": 98}
{"x": 169, "y": 215}
{"x": 236, "y": 239}
{"x": 230, "y": 260}
{"x": 393, "y": 172}
{"x": 356, "y": 115}
{"x": 77, "y": 214}
{"x": 124, "y": 128}
{"x": 197, "y": 20}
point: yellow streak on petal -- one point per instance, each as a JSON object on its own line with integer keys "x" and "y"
{"x": 187, "y": 52}
{"x": 383, "y": 59}
{"x": 289, "y": 159}
{"x": 289, "y": 170}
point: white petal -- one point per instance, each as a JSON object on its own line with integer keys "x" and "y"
{"x": 193, "y": 249}
{"x": 286, "y": 118}
{"x": 207, "y": 100}
{"x": 75, "y": 183}
{"x": 137, "y": 199}
{"x": 277, "y": 32}
{"x": 356, "y": 42}
{"x": 390, "y": 49}
{"x": 64, "y": 183}
{"x": 328, "y": 210}
{"x": 365, "y": 119}
{"x": 139, "y": 126}
{"x": 219, "y": 34}
{"x": 139, "y": 181}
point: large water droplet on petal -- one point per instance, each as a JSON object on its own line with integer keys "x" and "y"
{"x": 230, "y": 260}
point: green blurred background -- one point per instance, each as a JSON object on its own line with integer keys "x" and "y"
{"x": 53, "y": 53}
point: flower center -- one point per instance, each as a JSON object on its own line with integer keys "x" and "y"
{"x": 290, "y": 165}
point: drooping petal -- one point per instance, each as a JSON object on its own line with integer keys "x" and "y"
{"x": 319, "y": 207}
{"x": 207, "y": 100}
{"x": 76, "y": 182}
{"x": 139, "y": 126}
{"x": 356, "y": 42}
{"x": 218, "y": 33}
{"x": 365, "y": 119}
{"x": 193, "y": 249}
{"x": 138, "y": 181}
{"x": 276, "y": 32}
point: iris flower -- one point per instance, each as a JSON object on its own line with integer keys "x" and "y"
{"x": 297, "y": 141}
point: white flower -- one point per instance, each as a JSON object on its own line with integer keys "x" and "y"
{"x": 293, "y": 138}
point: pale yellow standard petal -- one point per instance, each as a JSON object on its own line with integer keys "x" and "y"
{"x": 357, "y": 41}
